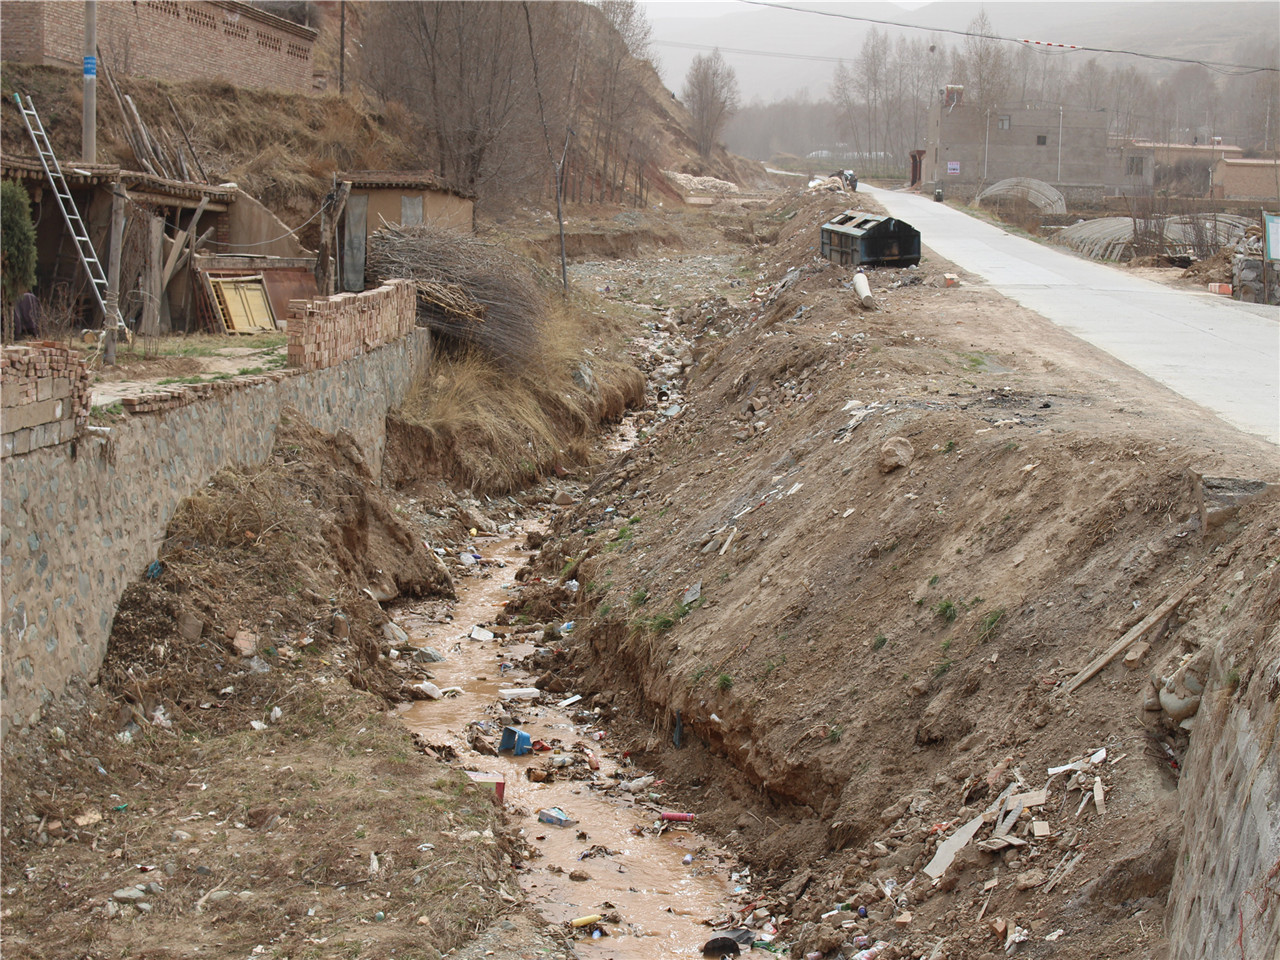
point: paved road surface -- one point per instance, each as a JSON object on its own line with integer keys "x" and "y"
{"x": 1221, "y": 354}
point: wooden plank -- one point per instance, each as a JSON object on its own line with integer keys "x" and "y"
{"x": 180, "y": 243}
{"x": 1034, "y": 798}
{"x": 1090, "y": 671}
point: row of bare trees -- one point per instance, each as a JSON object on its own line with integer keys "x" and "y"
{"x": 509, "y": 96}
{"x": 877, "y": 104}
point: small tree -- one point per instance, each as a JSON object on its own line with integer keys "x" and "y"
{"x": 17, "y": 249}
{"x": 711, "y": 94}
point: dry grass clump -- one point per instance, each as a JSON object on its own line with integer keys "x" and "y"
{"x": 487, "y": 426}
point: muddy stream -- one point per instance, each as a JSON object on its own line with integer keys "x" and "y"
{"x": 653, "y": 887}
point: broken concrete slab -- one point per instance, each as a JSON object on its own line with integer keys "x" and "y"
{"x": 1218, "y": 499}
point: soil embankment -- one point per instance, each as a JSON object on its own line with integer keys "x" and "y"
{"x": 844, "y": 586}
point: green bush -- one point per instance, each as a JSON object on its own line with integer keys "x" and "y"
{"x": 17, "y": 242}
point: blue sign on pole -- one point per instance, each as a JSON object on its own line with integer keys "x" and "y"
{"x": 1271, "y": 236}
{"x": 90, "y": 66}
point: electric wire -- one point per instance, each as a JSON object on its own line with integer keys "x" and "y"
{"x": 1237, "y": 69}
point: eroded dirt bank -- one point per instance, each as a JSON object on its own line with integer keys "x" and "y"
{"x": 843, "y": 586}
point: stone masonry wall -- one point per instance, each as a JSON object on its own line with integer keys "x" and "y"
{"x": 80, "y": 520}
{"x": 329, "y": 330}
{"x": 44, "y": 397}
{"x": 1225, "y": 897}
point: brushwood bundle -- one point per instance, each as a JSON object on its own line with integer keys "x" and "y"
{"x": 472, "y": 295}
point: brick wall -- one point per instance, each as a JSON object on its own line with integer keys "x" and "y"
{"x": 329, "y": 330}
{"x": 22, "y": 32}
{"x": 78, "y": 524}
{"x": 44, "y": 397}
{"x": 167, "y": 40}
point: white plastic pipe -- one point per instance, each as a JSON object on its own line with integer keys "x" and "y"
{"x": 863, "y": 289}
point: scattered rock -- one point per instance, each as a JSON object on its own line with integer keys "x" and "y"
{"x": 1030, "y": 879}
{"x": 190, "y": 627}
{"x": 245, "y": 643}
{"x": 896, "y": 452}
{"x": 428, "y": 655}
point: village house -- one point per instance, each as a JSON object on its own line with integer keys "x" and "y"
{"x": 970, "y": 146}
{"x": 403, "y": 198}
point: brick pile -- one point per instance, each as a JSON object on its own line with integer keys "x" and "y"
{"x": 328, "y": 330}
{"x": 177, "y": 396}
{"x": 44, "y": 396}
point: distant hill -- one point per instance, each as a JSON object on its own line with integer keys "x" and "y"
{"x": 1214, "y": 31}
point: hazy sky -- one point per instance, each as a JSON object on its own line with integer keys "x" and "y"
{"x": 778, "y": 52}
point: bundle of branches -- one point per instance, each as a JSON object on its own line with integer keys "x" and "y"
{"x": 472, "y": 295}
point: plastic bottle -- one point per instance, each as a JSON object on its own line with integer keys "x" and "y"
{"x": 871, "y": 952}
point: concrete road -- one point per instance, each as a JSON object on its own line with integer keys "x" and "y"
{"x": 1219, "y": 353}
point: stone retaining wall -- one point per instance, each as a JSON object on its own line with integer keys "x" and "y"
{"x": 80, "y": 520}
{"x": 1247, "y": 280}
{"x": 1225, "y": 897}
{"x": 44, "y": 397}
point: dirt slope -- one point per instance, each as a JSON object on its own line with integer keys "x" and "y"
{"x": 841, "y": 659}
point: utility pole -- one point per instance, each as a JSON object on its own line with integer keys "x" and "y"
{"x": 89, "y": 122}
{"x": 1059, "y": 144}
{"x": 342, "y": 48}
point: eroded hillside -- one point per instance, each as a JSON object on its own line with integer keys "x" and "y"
{"x": 843, "y": 585}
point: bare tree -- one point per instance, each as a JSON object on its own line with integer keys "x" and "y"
{"x": 711, "y": 95}
{"x": 986, "y": 62}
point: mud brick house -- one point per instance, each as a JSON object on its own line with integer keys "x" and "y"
{"x": 405, "y": 198}
{"x": 157, "y": 212}
{"x": 166, "y": 40}
{"x": 1144, "y": 166}
{"x": 1237, "y": 178}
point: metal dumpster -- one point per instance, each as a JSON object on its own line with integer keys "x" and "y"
{"x": 855, "y": 239}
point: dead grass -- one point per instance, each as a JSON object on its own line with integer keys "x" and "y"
{"x": 495, "y": 429}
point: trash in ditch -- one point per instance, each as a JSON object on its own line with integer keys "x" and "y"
{"x": 720, "y": 947}
{"x": 517, "y": 741}
{"x": 570, "y": 701}
{"x": 687, "y": 859}
{"x": 480, "y": 633}
{"x": 678, "y": 817}
{"x": 520, "y": 693}
{"x": 585, "y": 921}
{"x": 556, "y": 817}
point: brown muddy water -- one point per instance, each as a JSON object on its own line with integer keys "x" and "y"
{"x": 657, "y": 890}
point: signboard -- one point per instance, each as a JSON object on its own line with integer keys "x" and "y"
{"x": 953, "y": 167}
{"x": 90, "y": 66}
{"x": 1271, "y": 236}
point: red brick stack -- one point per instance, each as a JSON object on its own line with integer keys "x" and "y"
{"x": 181, "y": 395}
{"x": 328, "y": 330}
{"x": 44, "y": 396}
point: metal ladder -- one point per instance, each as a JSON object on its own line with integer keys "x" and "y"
{"x": 84, "y": 246}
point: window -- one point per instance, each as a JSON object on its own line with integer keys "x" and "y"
{"x": 1004, "y": 123}
{"x": 1133, "y": 166}
{"x": 1042, "y": 141}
